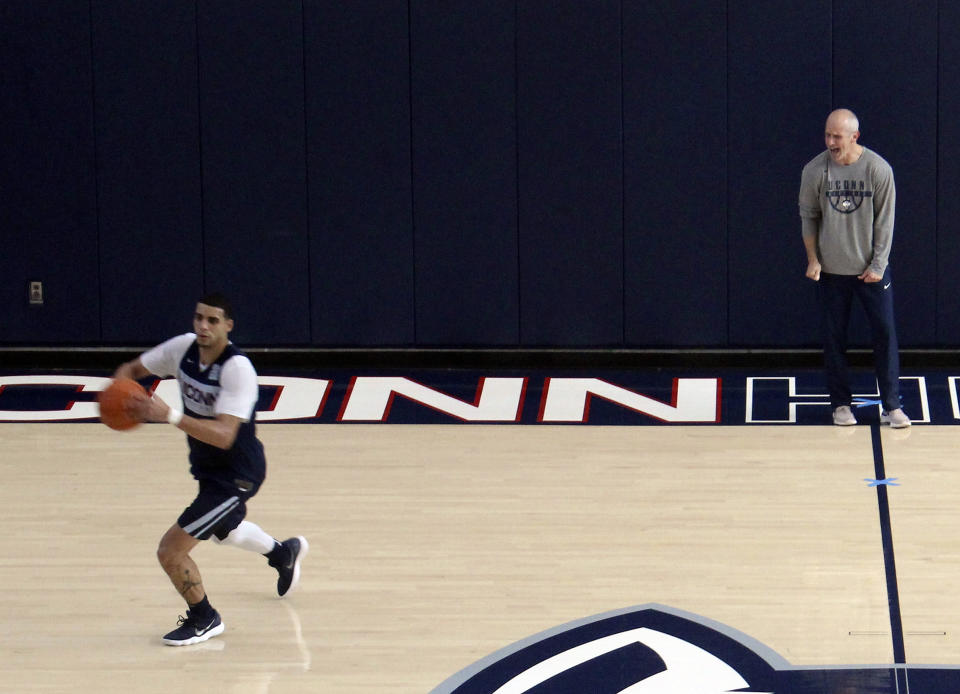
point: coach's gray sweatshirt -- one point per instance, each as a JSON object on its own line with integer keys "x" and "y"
{"x": 850, "y": 210}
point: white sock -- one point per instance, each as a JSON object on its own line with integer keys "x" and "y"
{"x": 248, "y": 536}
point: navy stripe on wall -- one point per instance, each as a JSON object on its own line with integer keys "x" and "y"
{"x": 779, "y": 97}
{"x": 358, "y": 120}
{"x": 570, "y": 172}
{"x": 465, "y": 171}
{"x": 48, "y": 222}
{"x": 254, "y": 165}
{"x": 148, "y": 166}
{"x": 675, "y": 173}
{"x": 948, "y": 173}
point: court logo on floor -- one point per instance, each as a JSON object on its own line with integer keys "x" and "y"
{"x": 651, "y": 648}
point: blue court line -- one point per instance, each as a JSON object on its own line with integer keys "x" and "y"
{"x": 886, "y": 533}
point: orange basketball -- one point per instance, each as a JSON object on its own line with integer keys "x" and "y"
{"x": 115, "y": 402}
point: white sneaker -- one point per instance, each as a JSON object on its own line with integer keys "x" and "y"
{"x": 897, "y": 419}
{"x": 843, "y": 416}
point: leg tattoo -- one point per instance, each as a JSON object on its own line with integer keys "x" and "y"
{"x": 188, "y": 583}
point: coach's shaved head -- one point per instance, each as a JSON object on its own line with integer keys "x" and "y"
{"x": 841, "y": 135}
{"x": 844, "y": 119}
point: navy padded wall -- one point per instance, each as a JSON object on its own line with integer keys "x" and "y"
{"x": 48, "y": 227}
{"x": 675, "y": 172}
{"x": 779, "y": 97}
{"x": 570, "y": 173}
{"x": 557, "y": 173}
{"x": 358, "y": 137}
{"x": 148, "y": 155}
{"x": 948, "y": 172}
{"x": 886, "y": 71}
{"x": 254, "y": 165}
{"x": 464, "y": 171}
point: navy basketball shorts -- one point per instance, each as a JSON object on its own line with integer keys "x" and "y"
{"x": 217, "y": 510}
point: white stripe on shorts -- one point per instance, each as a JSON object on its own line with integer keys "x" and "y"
{"x": 202, "y": 524}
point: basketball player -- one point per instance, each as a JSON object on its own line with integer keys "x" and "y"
{"x": 219, "y": 390}
{"x": 847, "y": 199}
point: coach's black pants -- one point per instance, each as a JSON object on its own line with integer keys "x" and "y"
{"x": 836, "y": 296}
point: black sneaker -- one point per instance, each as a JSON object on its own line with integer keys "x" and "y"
{"x": 192, "y": 630}
{"x": 289, "y": 570}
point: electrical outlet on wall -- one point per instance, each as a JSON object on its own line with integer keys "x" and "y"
{"x": 35, "y": 293}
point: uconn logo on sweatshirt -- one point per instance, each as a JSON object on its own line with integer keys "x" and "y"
{"x": 846, "y": 196}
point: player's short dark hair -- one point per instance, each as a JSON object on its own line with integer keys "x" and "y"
{"x": 218, "y": 300}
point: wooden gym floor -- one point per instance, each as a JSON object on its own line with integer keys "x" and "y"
{"x": 434, "y": 546}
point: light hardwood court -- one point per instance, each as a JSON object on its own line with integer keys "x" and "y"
{"x": 433, "y": 546}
